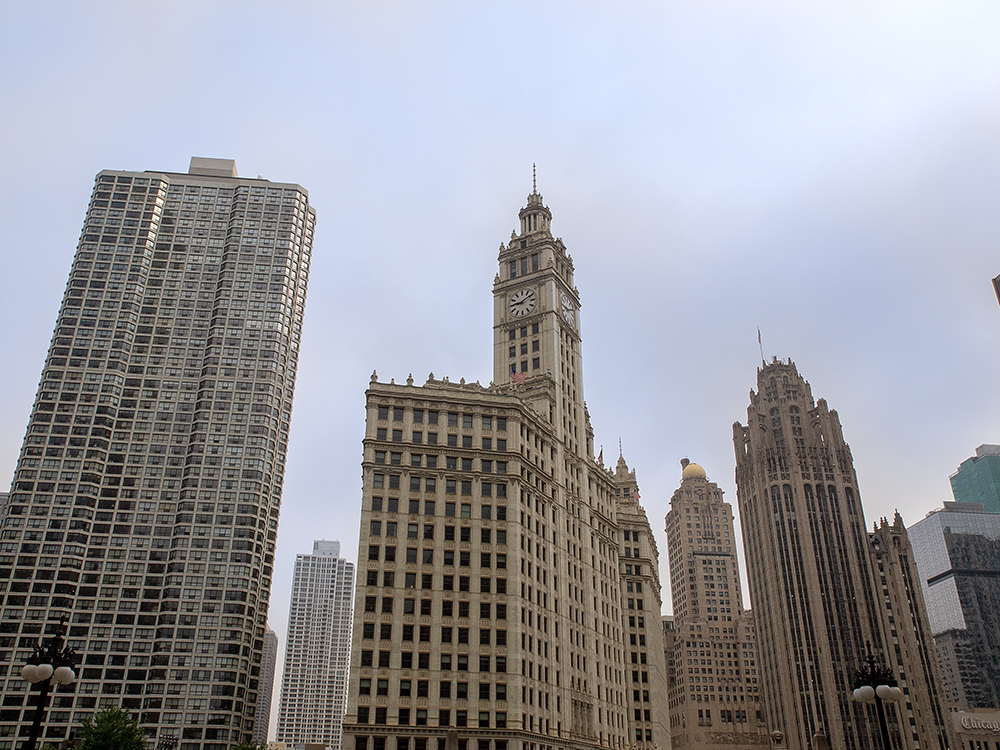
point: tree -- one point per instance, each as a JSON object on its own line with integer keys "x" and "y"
{"x": 112, "y": 729}
{"x": 244, "y": 745}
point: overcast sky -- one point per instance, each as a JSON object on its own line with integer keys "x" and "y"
{"x": 829, "y": 172}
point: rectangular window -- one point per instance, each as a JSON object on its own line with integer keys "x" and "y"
{"x": 418, "y": 416}
{"x": 432, "y": 417}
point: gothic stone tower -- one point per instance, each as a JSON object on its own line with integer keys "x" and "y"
{"x": 809, "y": 565}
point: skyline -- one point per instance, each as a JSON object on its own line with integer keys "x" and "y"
{"x": 827, "y": 174}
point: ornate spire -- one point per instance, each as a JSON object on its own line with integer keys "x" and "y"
{"x": 535, "y": 217}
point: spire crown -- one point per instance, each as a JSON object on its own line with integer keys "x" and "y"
{"x": 535, "y": 216}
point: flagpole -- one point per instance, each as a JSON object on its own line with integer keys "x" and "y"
{"x": 761, "y": 348}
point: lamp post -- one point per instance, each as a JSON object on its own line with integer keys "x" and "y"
{"x": 48, "y": 664}
{"x": 876, "y": 684}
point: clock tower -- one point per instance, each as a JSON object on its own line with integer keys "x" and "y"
{"x": 536, "y": 325}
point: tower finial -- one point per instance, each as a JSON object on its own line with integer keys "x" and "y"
{"x": 619, "y": 448}
{"x": 534, "y": 182}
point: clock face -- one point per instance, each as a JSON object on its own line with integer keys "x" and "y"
{"x": 567, "y": 309}
{"x": 522, "y": 302}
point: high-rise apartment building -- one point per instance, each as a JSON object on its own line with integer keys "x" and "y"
{"x": 317, "y": 649}
{"x": 508, "y": 597}
{"x": 145, "y": 504}
{"x": 977, "y": 479}
{"x": 268, "y": 663}
{"x": 957, "y": 551}
{"x": 715, "y": 688}
{"x": 811, "y": 567}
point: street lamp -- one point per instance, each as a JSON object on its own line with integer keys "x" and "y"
{"x": 48, "y": 664}
{"x": 875, "y": 683}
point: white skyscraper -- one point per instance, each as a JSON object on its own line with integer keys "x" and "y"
{"x": 317, "y": 649}
{"x": 144, "y": 509}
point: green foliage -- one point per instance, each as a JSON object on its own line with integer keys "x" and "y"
{"x": 112, "y": 729}
{"x": 249, "y": 746}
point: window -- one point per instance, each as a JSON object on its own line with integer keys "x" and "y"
{"x": 467, "y": 421}
{"x": 502, "y": 424}
{"x": 380, "y": 433}
{"x": 376, "y": 528}
{"x": 380, "y": 457}
{"x": 535, "y": 363}
{"x": 365, "y": 686}
{"x": 418, "y": 416}
{"x": 432, "y": 417}
{"x": 404, "y": 687}
{"x": 485, "y": 536}
{"x": 378, "y": 480}
{"x": 397, "y": 414}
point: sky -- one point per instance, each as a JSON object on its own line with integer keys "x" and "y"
{"x": 827, "y": 172}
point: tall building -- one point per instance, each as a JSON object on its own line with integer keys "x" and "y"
{"x": 978, "y": 479}
{"x": 811, "y": 568}
{"x": 957, "y": 551}
{"x": 145, "y": 503}
{"x": 509, "y": 597}
{"x": 269, "y": 660}
{"x": 317, "y": 649}
{"x": 715, "y": 689}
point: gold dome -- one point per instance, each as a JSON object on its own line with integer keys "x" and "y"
{"x": 693, "y": 471}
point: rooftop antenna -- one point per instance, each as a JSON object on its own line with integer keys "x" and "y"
{"x": 534, "y": 183}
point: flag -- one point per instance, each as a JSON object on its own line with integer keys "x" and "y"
{"x": 758, "y": 335}
{"x": 517, "y": 377}
{"x": 635, "y": 495}
{"x": 600, "y": 458}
